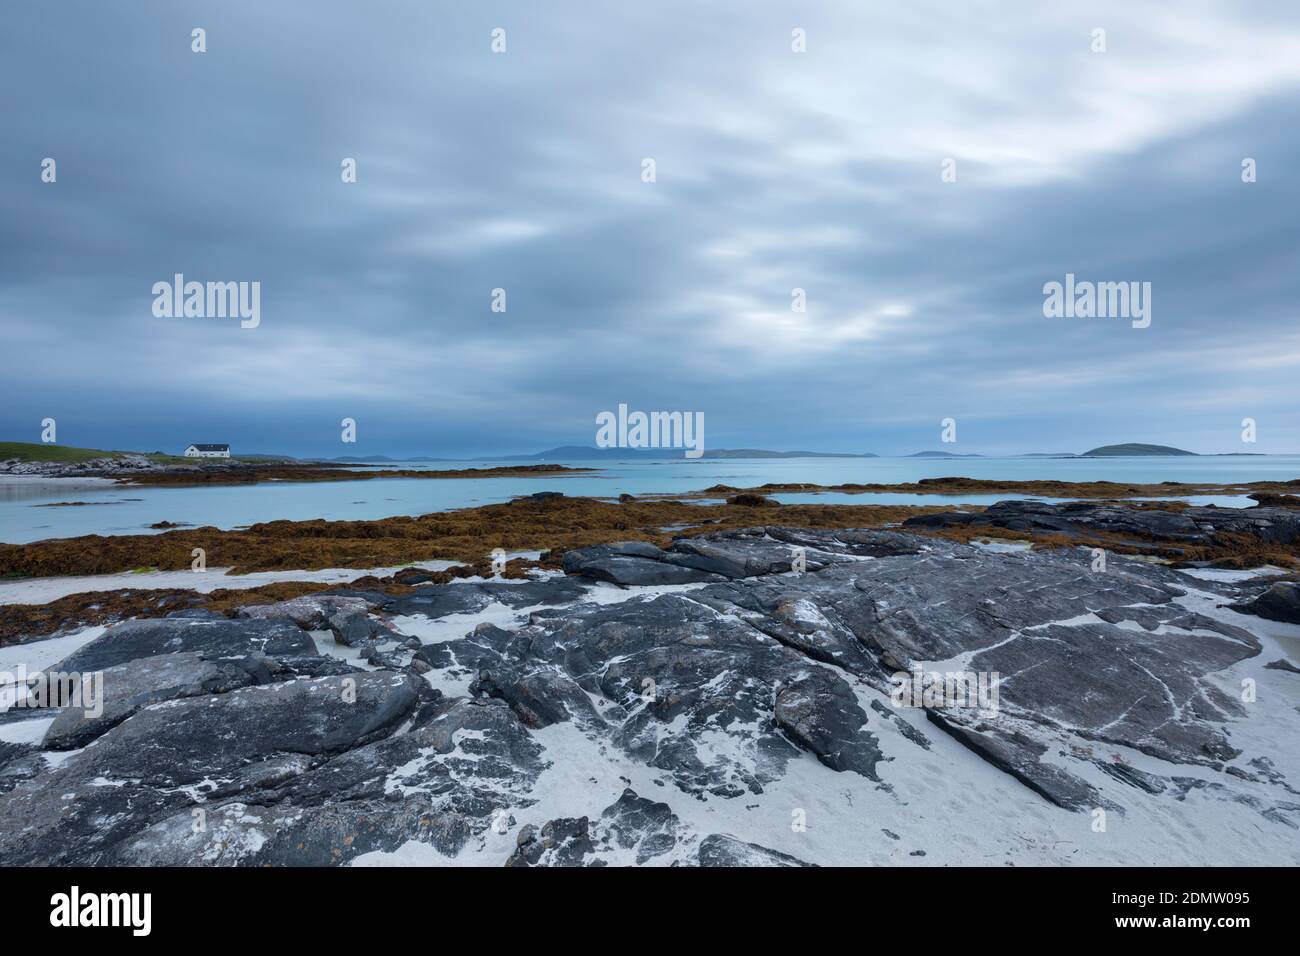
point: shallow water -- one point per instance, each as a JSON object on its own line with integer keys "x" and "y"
{"x": 115, "y": 509}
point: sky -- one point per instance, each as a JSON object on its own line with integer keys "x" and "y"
{"x": 774, "y": 170}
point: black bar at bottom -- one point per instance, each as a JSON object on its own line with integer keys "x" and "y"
{"x": 339, "y": 905}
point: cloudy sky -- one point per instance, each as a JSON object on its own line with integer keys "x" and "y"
{"x": 775, "y": 170}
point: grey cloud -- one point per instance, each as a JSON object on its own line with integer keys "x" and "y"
{"x": 775, "y": 171}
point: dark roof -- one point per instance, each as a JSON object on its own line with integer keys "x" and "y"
{"x": 211, "y": 447}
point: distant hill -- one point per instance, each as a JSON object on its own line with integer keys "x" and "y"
{"x": 587, "y": 453}
{"x": 1136, "y": 450}
{"x": 941, "y": 454}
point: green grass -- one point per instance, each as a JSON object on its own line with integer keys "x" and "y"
{"x": 36, "y": 451}
{"x": 33, "y": 451}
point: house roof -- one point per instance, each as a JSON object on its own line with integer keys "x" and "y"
{"x": 211, "y": 447}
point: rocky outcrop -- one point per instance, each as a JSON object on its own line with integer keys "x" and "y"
{"x": 634, "y": 830}
{"x": 632, "y": 563}
{"x": 92, "y": 467}
{"x": 311, "y": 612}
{"x": 606, "y": 725}
{"x": 1281, "y": 602}
{"x": 136, "y": 684}
{"x": 186, "y": 753}
{"x": 1195, "y": 525}
{"x": 209, "y": 634}
{"x": 723, "y": 850}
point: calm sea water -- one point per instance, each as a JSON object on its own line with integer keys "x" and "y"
{"x": 128, "y": 510}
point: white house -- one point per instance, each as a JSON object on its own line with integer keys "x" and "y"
{"x": 208, "y": 451}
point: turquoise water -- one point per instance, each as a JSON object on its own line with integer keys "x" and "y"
{"x": 130, "y": 510}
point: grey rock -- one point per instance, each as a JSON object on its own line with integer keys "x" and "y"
{"x": 412, "y": 576}
{"x": 354, "y": 629}
{"x": 172, "y": 755}
{"x": 244, "y": 834}
{"x": 719, "y": 849}
{"x": 631, "y": 827}
{"x": 562, "y": 842}
{"x": 1281, "y": 602}
{"x": 442, "y": 784}
{"x": 470, "y": 597}
{"x": 631, "y": 564}
{"x": 310, "y": 611}
{"x": 1019, "y": 754}
{"x": 133, "y": 640}
{"x": 1194, "y": 525}
{"x": 539, "y": 697}
{"x": 128, "y": 687}
{"x": 647, "y": 827}
{"x": 733, "y": 556}
{"x": 819, "y": 711}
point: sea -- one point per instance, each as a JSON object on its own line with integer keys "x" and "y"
{"x": 33, "y": 510}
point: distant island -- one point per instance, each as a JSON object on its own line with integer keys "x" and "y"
{"x": 1136, "y": 450}
{"x": 941, "y": 454}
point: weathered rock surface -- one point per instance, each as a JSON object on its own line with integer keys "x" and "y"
{"x": 469, "y": 598}
{"x": 1195, "y": 525}
{"x": 181, "y": 753}
{"x": 634, "y": 830}
{"x": 1281, "y": 602}
{"x": 353, "y": 629}
{"x": 1118, "y": 633}
{"x": 109, "y": 466}
{"x": 441, "y": 783}
{"x": 133, "y": 640}
{"x": 129, "y": 687}
{"x": 631, "y": 563}
{"x": 723, "y": 850}
{"x": 311, "y": 612}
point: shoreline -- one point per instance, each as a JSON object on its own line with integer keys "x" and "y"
{"x": 49, "y": 585}
{"x": 256, "y": 474}
{"x": 547, "y": 521}
{"x": 56, "y": 481}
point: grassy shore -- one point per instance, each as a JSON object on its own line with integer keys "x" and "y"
{"x": 179, "y": 471}
{"x": 66, "y": 454}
